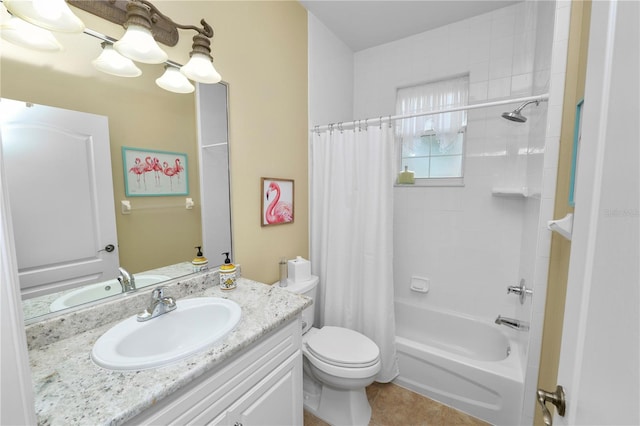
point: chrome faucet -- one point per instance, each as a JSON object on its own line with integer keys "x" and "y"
{"x": 521, "y": 290}
{"x": 512, "y": 323}
{"x": 126, "y": 280}
{"x": 160, "y": 304}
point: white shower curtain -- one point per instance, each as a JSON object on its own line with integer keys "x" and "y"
{"x": 352, "y": 176}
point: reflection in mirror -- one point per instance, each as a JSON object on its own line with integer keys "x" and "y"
{"x": 160, "y": 231}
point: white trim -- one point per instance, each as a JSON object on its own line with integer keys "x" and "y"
{"x": 581, "y": 327}
{"x": 594, "y": 208}
{"x": 17, "y": 400}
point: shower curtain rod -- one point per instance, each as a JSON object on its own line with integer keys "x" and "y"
{"x": 371, "y": 121}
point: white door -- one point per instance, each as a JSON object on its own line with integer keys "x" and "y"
{"x": 58, "y": 174}
{"x": 600, "y": 355}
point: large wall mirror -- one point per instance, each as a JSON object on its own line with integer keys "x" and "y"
{"x": 157, "y": 238}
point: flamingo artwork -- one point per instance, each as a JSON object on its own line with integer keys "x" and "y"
{"x": 169, "y": 171}
{"x": 277, "y": 211}
{"x": 156, "y": 172}
{"x": 178, "y": 168}
{"x": 149, "y": 167}
{"x": 138, "y": 169}
{"x": 157, "y": 169}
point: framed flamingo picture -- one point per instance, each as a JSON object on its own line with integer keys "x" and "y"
{"x": 149, "y": 173}
{"x": 276, "y": 205}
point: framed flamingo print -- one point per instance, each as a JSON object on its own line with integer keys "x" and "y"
{"x": 149, "y": 173}
{"x": 276, "y": 205}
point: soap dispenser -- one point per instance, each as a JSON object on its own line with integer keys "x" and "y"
{"x": 227, "y": 274}
{"x": 200, "y": 263}
{"x": 406, "y": 177}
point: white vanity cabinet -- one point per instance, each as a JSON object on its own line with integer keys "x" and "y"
{"x": 262, "y": 385}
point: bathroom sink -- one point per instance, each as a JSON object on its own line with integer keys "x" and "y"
{"x": 194, "y": 325}
{"x": 92, "y": 292}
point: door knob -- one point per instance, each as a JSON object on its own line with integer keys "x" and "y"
{"x": 556, "y": 398}
{"x": 108, "y": 248}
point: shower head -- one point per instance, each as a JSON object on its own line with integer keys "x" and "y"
{"x": 515, "y": 114}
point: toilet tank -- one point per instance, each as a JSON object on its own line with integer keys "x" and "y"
{"x": 307, "y": 288}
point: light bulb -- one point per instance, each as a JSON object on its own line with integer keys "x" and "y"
{"x": 200, "y": 68}
{"x": 54, "y": 15}
{"x": 111, "y": 62}
{"x": 173, "y": 81}
{"x": 24, "y": 34}
{"x": 138, "y": 44}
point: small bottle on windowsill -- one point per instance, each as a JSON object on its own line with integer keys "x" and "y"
{"x": 406, "y": 177}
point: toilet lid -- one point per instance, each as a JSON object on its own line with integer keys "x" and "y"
{"x": 343, "y": 347}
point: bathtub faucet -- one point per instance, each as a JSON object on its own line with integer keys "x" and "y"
{"x": 512, "y": 323}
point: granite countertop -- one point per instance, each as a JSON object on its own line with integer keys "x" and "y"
{"x": 71, "y": 389}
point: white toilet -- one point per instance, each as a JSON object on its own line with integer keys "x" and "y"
{"x": 338, "y": 364}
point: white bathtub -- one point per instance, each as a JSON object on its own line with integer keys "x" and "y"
{"x": 462, "y": 362}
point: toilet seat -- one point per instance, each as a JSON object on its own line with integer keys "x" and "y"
{"x": 342, "y": 347}
{"x": 353, "y": 371}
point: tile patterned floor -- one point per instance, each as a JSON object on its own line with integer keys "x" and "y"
{"x": 393, "y": 405}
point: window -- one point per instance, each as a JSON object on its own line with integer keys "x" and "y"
{"x": 432, "y": 146}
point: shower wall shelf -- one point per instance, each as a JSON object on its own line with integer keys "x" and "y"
{"x": 515, "y": 192}
{"x": 562, "y": 226}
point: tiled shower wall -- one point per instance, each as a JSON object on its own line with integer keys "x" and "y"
{"x": 470, "y": 243}
{"x": 466, "y": 240}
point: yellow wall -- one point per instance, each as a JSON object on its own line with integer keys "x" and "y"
{"x": 560, "y": 247}
{"x": 145, "y": 238}
{"x": 260, "y": 49}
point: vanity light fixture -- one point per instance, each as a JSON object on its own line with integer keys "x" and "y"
{"x": 144, "y": 24}
{"x": 174, "y": 81}
{"x": 54, "y": 15}
{"x": 111, "y": 62}
{"x": 22, "y": 33}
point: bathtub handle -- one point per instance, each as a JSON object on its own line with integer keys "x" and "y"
{"x": 556, "y": 398}
{"x": 521, "y": 290}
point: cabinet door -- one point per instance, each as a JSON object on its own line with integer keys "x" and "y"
{"x": 276, "y": 400}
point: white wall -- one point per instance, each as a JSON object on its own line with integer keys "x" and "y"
{"x": 465, "y": 240}
{"x": 330, "y": 76}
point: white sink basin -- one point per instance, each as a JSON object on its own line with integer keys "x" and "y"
{"x": 97, "y": 291}
{"x": 196, "y": 324}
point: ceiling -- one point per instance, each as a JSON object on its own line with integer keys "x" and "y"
{"x": 363, "y": 23}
